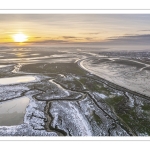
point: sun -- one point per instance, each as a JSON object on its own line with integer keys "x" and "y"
{"x": 20, "y": 37}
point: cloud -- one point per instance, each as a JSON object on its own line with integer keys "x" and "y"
{"x": 130, "y": 39}
{"x": 89, "y": 38}
{"x": 135, "y": 36}
{"x": 92, "y": 33}
{"x": 144, "y": 30}
{"x": 48, "y": 42}
{"x": 75, "y": 38}
{"x": 136, "y": 39}
{"x": 5, "y": 38}
{"x": 69, "y": 37}
{"x": 37, "y": 37}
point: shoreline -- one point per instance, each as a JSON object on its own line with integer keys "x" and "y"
{"x": 111, "y": 84}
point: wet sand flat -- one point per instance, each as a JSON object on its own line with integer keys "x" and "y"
{"x": 129, "y": 74}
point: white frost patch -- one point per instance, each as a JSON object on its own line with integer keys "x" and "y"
{"x": 56, "y": 56}
{"x": 73, "y": 120}
{"x": 33, "y": 122}
{"x": 10, "y": 92}
{"x": 17, "y": 80}
{"x": 76, "y": 60}
{"x": 100, "y": 95}
{"x": 60, "y": 87}
{"x": 2, "y": 66}
{"x": 35, "y": 54}
{"x": 23, "y": 130}
{"x": 131, "y": 100}
{"x": 61, "y": 75}
{"x": 35, "y": 114}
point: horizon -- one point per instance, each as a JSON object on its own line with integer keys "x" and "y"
{"x": 74, "y": 30}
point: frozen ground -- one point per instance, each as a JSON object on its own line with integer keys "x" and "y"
{"x": 130, "y": 74}
{"x": 48, "y": 92}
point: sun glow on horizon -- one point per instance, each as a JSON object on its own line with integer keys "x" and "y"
{"x": 20, "y": 37}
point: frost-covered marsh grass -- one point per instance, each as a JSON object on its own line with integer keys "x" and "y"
{"x": 65, "y": 98}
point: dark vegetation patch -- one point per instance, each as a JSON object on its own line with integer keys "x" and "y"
{"x": 128, "y": 63}
{"x": 147, "y": 68}
{"x": 137, "y": 121}
{"x": 54, "y": 68}
{"x": 97, "y": 118}
{"x": 7, "y": 72}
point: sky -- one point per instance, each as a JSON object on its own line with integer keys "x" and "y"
{"x": 75, "y": 29}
